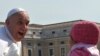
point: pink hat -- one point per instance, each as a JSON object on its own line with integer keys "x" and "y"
{"x": 85, "y": 32}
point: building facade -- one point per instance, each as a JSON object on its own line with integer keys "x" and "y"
{"x": 47, "y": 40}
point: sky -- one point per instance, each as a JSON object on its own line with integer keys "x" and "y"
{"x": 54, "y": 11}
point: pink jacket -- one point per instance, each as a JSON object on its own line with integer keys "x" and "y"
{"x": 84, "y": 50}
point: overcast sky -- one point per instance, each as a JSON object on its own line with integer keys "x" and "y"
{"x": 54, "y": 11}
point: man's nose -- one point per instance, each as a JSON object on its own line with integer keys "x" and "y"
{"x": 24, "y": 27}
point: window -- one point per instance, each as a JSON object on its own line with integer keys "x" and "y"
{"x": 62, "y": 42}
{"x": 63, "y": 52}
{"x": 29, "y": 44}
{"x": 40, "y": 32}
{"x": 39, "y": 44}
{"x": 29, "y": 52}
{"x": 39, "y": 52}
{"x": 53, "y": 32}
{"x": 33, "y": 32}
{"x": 64, "y": 30}
{"x": 51, "y": 52}
{"x": 50, "y": 44}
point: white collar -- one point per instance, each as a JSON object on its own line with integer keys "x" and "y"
{"x": 9, "y": 34}
{"x": 89, "y": 47}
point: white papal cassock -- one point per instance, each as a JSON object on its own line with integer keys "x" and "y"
{"x": 7, "y": 45}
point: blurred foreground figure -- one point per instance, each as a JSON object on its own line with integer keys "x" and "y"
{"x": 84, "y": 39}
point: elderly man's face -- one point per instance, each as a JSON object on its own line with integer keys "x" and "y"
{"x": 18, "y": 25}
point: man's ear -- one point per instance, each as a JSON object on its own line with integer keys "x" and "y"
{"x": 7, "y": 21}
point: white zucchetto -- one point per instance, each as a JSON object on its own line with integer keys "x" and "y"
{"x": 15, "y": 10}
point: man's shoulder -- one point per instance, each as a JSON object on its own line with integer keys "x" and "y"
{"x": 2, "y": 31}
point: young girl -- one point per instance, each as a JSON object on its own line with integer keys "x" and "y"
{"x": 84, "y": 39}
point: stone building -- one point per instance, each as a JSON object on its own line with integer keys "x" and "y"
{"x": 47, "y": 40}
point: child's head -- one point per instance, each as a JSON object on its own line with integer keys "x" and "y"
{"x": 85, "y": 32}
